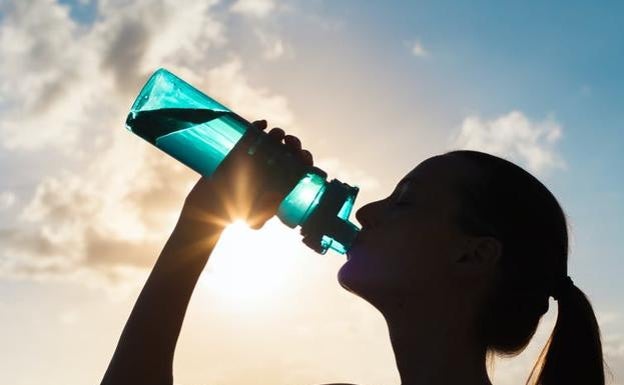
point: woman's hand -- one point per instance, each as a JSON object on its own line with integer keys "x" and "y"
{"x": 234, "y": 192}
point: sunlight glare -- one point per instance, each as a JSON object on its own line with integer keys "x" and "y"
{"x": 253, "y": 268}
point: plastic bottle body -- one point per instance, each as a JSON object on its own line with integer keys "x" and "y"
{"x": 183, "y": 122}
{"x": 201, "y": 133}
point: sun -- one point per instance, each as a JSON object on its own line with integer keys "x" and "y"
{"x": 250, "y": 269}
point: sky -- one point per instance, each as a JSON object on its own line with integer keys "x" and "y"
{"x": 371, "y": 88}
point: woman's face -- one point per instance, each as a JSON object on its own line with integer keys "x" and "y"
{"x": 409, "y": 240}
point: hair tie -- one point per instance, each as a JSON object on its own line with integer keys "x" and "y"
{"x": 561, "y": 287}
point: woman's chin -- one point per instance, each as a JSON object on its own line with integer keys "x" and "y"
{"x": 353, "y": 277}
{"x": 370, "y": 283}
{"x": 345, "y": 276}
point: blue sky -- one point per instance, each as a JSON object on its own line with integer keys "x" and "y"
{"x": 372, "y": 88}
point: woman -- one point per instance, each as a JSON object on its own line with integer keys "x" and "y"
{"x": 460, "y": 259}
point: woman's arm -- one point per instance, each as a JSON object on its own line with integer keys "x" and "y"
{"x": 144, "y": 353}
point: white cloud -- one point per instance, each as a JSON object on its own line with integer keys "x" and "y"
{"x": 57, "y": 77}
{"x": 228, "y": 83}
{"x": 614, "y": 345}
{"x": 514, "y": 136}
{"x": 105, "y": 213}
{"x": 255, "y": 8}
{"x": 37, "y": 69}
{"x": 274, "y": 47}
{"x": 607, "y": 318}
{"x": 69, "y": 317}
{"x": 336, "y": 169}
{"x": 7, "y": 199}
{"x": 418, "y": 49}
{"x": 610, "y": 322}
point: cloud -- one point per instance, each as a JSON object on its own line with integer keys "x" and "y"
{"x": 614, "y": 346}
{"x": 57, "y": 76}
{"x": 105, "y": 212}
{"x": 33, "y": 42}
{"x": 274, "y": 47}
{"x": 418, "y": 49}
{"x": 613, "y": 350}
{"x": 254, "y": 8}
{"x": 7, "y": 199}
{"x": 112, "y": 215}
{"x": 610, "y": 322}
{"x": 232, "y": 87}
{"x": 514, "y": 136}
{"x": 69, "y": 317}
{"x": 336, "y": 169}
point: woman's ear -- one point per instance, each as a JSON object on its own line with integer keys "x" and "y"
{"x": 479, "y": 255}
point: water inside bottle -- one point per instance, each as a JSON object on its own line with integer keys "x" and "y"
{"x": 198, "y": 137}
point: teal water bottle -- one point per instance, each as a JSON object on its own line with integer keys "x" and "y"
{"x": 201, "y": 133}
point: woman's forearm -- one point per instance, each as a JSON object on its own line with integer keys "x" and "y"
{"x": 145, "y": 350}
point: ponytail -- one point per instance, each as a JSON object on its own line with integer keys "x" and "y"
{"x": 573, "y": 353}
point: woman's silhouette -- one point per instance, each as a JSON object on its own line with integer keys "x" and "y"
{"x": 460, "y": 259}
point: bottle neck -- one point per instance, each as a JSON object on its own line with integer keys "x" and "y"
{"x": 328, "y": 226}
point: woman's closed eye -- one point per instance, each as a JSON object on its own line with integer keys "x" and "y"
{"x": 401, "y": 203}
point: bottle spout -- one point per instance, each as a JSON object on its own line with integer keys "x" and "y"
{"x": 328, "y": 227}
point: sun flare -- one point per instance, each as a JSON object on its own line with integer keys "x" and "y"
{"x": 252, "y": 268}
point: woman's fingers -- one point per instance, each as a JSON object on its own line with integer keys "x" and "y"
{"x": 306, "y": 157}
{"x": 277, "y": 133}
{"x": 292, "y": 142}
{"x": 260, "y": 124}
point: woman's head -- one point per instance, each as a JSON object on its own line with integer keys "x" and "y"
{"x": 411, "y": 241}
{"x": 465, "y": 228}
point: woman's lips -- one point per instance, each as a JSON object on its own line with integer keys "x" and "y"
{"x": 356, "y": 244}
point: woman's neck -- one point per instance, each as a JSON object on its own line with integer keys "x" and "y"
{"x": 439, "y": 347}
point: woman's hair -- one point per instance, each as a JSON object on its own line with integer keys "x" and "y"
{"x": 508, "y": 203}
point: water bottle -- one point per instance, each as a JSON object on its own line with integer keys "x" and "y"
{"x": 201, "y": 133}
